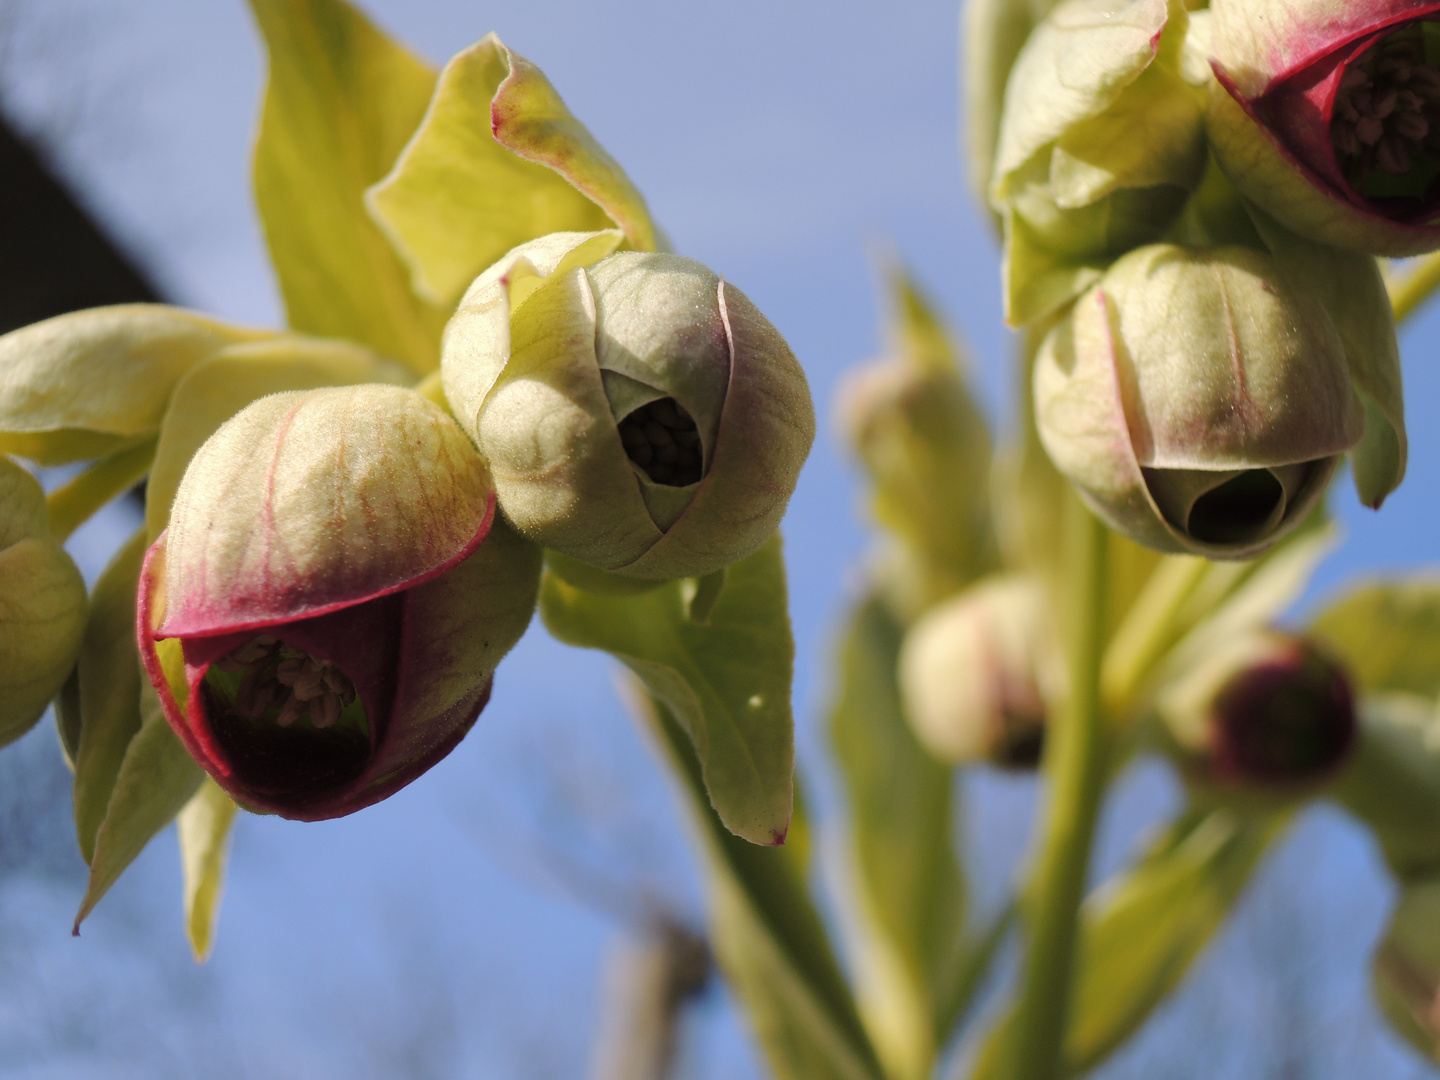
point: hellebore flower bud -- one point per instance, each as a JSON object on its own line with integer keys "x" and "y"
{"x": 1198, "y": 401}
{"x": 1269, "y": 711}
{"x": 1102, "y": 137}
{"x": 638, "y": 413}
{"x": 1406, "y": 970}
{"x": 976, "y": 672}
{"x": 42, "y": 605}
{"x": 1328, "y": 116}
{"x": 323, "y": 615}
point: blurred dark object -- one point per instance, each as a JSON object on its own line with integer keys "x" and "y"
{"x": 54, "y": 257}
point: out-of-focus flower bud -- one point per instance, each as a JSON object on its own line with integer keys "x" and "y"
{"x": 1197, "y": 399}
{"x": 42, "y": 605}
{"x": 976, "y": 674}
{"x": 638, "y": 413}
{"x": 323, "y": 615}
{"x": 922, "y": 439}
{"x": 1327, "y": 115}
{"x": 1269, "y": 711}
{"x": 1407, "y": 968}
{"x": 1102, "y": 137}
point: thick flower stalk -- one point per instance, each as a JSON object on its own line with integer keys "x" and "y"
{"x": 1327, "y": 115}
{"x": 1407, "y": 967}
{"x": 1198, "y": 399}
{"x": 638, "y": 413}
{"x": 323, "y": 615}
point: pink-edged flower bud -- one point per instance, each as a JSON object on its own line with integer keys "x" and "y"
{"x": 976, "y": 673}
{"x": 1327, "y": 115}
{"x": 1198, "y": 399}
{"x": 1269, "y": 711}
{"x": 323, "y": 615}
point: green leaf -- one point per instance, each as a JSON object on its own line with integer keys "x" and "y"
{"x": 109, "y": 682}
{"x": 1388, "y": 632}
{"x": 1392, "y": 781}
{"x": 95, "y": 382}
{"x": 1350, "y": 287}
{"x": 767, "y": 935}
{"x": 217, "y": 389}
{"x": 156, "y": 779}
{"x": 77, "y": 501}
{"x": 910, "y": 891}
{"x": 727, "y": 682}
{"x": 204, "y": 826}
{"x": 1142, "y": 931}
{"x": 461, "y": 196}
{"x": 341, "y": 102}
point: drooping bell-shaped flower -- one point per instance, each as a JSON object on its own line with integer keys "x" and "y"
{"x": 1269, "y": 710}
{"x": 42, "y": 605}
{"x": 976, "y": 674}
{"x": 323, "y": 615}
{"x": 1199, "y": 401}
{"x": 1327, "y": 114}
{"x": 638, "y": 413}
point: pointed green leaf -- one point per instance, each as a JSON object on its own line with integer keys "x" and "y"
{"x": 910, "y": 892}
{"x": 204, "y": 826}
{"x": 67, "y": 718}
{"x": 767, "y": 935}
{"x": 458, "y": 199}
{"x": 157, "y": 777}
{"x": 1388, "y": 632}
{"x": 1142, "y": 931}
{"x": 109, "y": 682}
{"x": 341, "y": 101}
{"x": 1392, "y": 781}
{"x": 90, "y": 383}
{"x": 1350, "y": 287}
{"x": 220, "y": 387}
{"x": 727, "y": 682}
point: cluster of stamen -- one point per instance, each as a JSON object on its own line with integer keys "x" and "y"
{"x": 277, "y": 676}
{"x": 1387, "y": 112}
{"x": 663, "y": 441}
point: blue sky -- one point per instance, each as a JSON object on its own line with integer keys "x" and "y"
{"x": 779, "y": 143}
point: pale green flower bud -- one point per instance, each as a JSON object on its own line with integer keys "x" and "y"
{"x": 976, "y": 674}
{"x": 1407, "y": 968}
{"x": 1197, "y": 400}
{"x": 42, "y": 605}
{"x": 1101, "y": 140}
{"x": 637, "y": 412}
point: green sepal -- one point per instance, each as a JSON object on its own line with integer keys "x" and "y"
{"x": 109, "y": 686}
{"x": 1352, "y": 290}
{"x": 42, "y": 605}
{"x": 909, "y": 894}
{"x": 204, "y": 826}
{"x": 497, "y": 161}
{"x": 215, "y": 390}
{"x": 727, "y": 682}
{"x": 92, "y": 383}
{"x": 767, "y": 935}
{"x": 341, "y": 101}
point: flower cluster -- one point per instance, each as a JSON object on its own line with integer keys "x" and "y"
{"x": 1193, "y": 202}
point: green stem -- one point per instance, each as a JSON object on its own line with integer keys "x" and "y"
{"x": 72, "y": 505}
{"x": 1408, "y": 293}
{"x": 1075, "y": 769}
